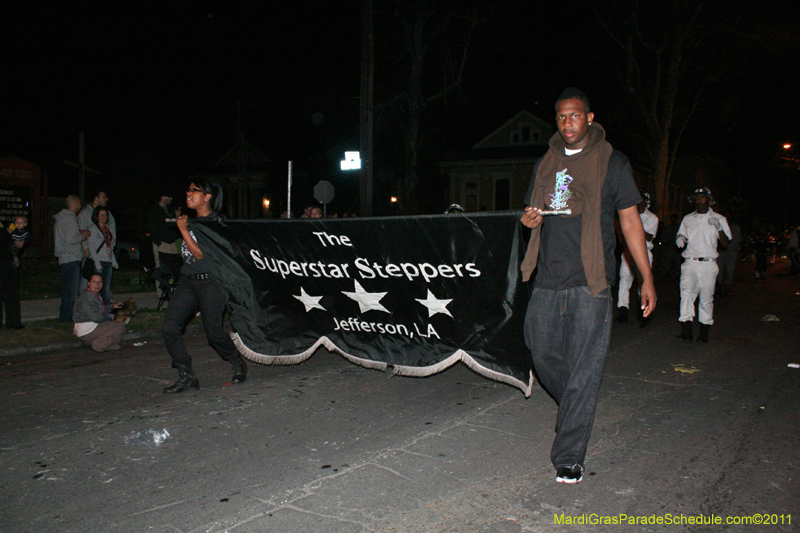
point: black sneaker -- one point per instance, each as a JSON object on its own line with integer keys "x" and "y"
{"x": 622, "y": 316}
{"x": 569, "y": 474}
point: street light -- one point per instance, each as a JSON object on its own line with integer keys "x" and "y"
{"x": 352, "y": 161}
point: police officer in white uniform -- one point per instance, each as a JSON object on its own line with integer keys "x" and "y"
{"x": 650, "y": 223}
{"x": 700, "y": 232}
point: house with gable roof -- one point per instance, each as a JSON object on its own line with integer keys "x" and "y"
{"x": 494, "y": 174}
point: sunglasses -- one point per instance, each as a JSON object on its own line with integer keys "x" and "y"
{"x": 195, "y": 189}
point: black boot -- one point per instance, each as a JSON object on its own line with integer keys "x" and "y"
{"x": 622, "y": 316}
{"x": 686, "y": 332}
{"x": 186, "y": 381}
{"x": 702, "y": 337}
{"x": 239, "y": 370}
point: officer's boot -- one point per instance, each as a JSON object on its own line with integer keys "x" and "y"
{"x": 702, "y": 337}
{"x": 686, "y": 332}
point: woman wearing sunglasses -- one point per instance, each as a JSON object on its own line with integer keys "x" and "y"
{"x": 197, "y": 288}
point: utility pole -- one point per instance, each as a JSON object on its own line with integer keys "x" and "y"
{"x": 82, "y": 168}
{"x": 366, "y": 108}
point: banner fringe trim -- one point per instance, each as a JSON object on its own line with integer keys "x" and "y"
{"x": 296, "y": 359}
{"x": 472, "y": 364}
{"x": 397, "y": 370}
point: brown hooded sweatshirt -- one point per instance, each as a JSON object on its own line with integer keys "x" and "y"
{"x": 574, "y": 182}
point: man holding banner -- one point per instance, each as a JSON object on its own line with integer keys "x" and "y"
{"x": 575, "y": 189}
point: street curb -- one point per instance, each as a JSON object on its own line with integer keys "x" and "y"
{"x": 54, "y": 349}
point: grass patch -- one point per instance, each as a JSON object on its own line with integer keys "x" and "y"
{"x": 51, "y": 331}
{"x": 42, "y": 279}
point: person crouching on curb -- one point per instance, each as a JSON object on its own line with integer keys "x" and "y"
{"x": 197, "y": 288}
{"x": 95, "y": 325}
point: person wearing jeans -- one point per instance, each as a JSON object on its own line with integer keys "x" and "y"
{"x": 570, "y": 330}
{"x": 568, "y": 321}
{"x": 101, "y": 242}
{"x": 68, "y": 238}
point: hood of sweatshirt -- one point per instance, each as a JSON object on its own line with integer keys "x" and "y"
{"x": 596, "y": 136}
{"x": 63, "y": 213}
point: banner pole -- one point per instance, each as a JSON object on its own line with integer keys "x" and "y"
{"x": 289, "y": 193}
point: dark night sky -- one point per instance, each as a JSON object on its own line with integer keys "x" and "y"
{"x": 154, "y": 85}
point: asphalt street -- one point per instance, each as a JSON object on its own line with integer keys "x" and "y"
{"x": 683, "y": 432}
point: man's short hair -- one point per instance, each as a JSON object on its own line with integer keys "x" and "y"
{"x": 572, "y": 92}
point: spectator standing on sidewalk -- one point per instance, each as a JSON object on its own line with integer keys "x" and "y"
{"x": 68, "y": 237}
{"x": 165, "y": 242}
{"x": 101, "y": 249}
{"x": 100, "y": 199}
{"x": 9, "y": 284}
{"x": 568, "y": 321}
{"x": 700, "y": 232}
{"x": 163, "y": 233}
{"x": 197, "y": 288}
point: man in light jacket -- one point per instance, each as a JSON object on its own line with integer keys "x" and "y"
{"x": 68, "y": 238}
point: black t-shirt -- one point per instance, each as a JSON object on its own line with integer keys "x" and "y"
{"x": 560, "y": 265}
{"x": 192, "y": 265}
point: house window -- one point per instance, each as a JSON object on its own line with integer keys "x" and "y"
{"x": 502, "y": 195}
{"x": 525, "y": 134}
{"x": 471, "y": 203}
{"x": 471, "y": 185}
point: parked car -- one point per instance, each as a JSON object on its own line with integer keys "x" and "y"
{"x": 126, "y": 251}
{"x": 129, "y": 243}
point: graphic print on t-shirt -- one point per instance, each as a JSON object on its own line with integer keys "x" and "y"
{"x": 188, "y": 258}
{"x": 562, "y": 192}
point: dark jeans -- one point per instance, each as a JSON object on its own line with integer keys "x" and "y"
{"x": 9, "y": 295}
{"x": 107, "y": 271}
{"x": 188, "y": 296}
{"x": 568, "y": 333}
{"x": 70, "y": 287}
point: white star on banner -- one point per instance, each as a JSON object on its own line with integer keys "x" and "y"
{"x": 435, "y": 305}
{"x": 367, "y": 301}
{"x": 311, "y": 302}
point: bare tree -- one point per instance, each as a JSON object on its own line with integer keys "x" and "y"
{"x": 435, "y": 37}
{"x": 672, "y": 51}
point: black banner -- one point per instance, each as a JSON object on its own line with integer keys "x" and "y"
{"x": 416, "y": 294}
